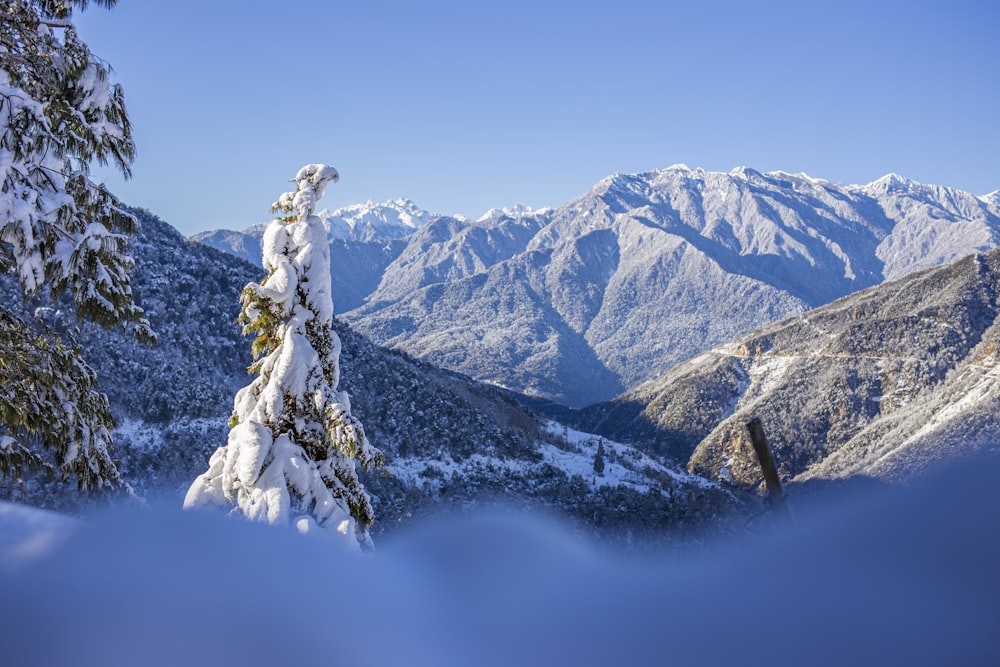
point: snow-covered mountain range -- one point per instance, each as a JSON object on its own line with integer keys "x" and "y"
{"x": 581, "y": 302}
{"x": 369, "y": 221}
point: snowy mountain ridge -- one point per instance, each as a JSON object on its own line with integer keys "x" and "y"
{"x": 583, "y": 301}
{"x": 370, "y": 221}
{"x": 518, "y": 210}
{"x": 647, "y": 269}
{"x": 367, "y": 221}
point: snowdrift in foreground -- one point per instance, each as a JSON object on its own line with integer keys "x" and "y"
{"x": 27, "y": 533}
{"x": 906, "y": 577}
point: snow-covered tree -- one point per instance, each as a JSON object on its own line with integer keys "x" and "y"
{"x": 599, "y": 459}
{"x": 61, "y": 234}
{"x": 293, "y": 443}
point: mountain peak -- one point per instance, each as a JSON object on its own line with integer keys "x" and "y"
{"x": 515, "y": 211}
{"x": 393, "y": 219}
{"x": 801, "y": 176}
{"x": 890, "y": 182}
{"x": 746, "y": 173}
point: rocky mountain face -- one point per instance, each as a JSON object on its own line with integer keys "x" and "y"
{"x": 450, "y": 442}
{"x": 579, "y": 303}
{"x": 886, "y": 383}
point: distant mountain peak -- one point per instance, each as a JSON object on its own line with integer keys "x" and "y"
{"x": 801, "y": 176}
{"x": 620, "y": 182}
{"x": 515, "y": 211}
{"x": 401, "y": 205}
{"x": 890, "y": 182}
{"x": 746, "y": 173}
{"x": 393, "y": 219}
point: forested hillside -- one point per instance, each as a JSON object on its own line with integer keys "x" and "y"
{"x": 450, "y": 442}
{"x": 888, "y": 383}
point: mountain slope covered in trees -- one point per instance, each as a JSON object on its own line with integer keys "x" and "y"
{"x": 449, "y": 442}
{"x": 887, "y": 383}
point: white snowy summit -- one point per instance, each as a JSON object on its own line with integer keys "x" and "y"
{"x": 370, "y": 221}
{"x": 516, "y": 211}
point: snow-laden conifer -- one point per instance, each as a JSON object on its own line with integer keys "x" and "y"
{"x": 61, "y": 234}
{"x": 293, "y": 443}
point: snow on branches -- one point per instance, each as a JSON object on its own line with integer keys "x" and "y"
{"x": 63, "y": 413}
{"x": 293, "y": 443}
{"x": 60, "y": 233}
{"x": 59, "y": 113}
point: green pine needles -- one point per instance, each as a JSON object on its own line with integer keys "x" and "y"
{"x": 62, "y": 235}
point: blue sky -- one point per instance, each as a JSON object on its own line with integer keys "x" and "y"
{"x": 462, "y": 106}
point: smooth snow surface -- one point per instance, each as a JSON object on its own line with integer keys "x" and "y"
{"x": 907, "y": 577}
{"x": 26, "y": 533}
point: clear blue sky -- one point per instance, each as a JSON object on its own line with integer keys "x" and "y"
{"x": 462, "y": 106}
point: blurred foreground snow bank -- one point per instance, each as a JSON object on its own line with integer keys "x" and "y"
{"x": 27, "y": 533}
{"x": 909, "y": 577}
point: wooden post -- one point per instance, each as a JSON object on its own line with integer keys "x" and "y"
{"x": 775, "y": 493}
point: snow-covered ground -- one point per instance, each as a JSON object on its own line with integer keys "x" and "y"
{"x": 908, "y": 577}
{"x": 573, "y": 452}
{"x": 624, "y": 464}
{"x": 27, "y": 533}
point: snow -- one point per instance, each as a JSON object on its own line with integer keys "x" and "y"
{"x": 700, "y": 359}
{"x": 891, "y": 180}
{"x": 984, "y": 389}
{"x": 746, "y": 173}
{"x": 617, "y": 454}
{"x": 765, "y": 372}
{"x": 414, "y": 470}
{"x": 263, "y": 471}
{"x": 94, "y": 88}
{"x": 905, "y": 577}
{"x": 800, "y": 176}
{"x": 392, "y": 219}
{"x": 28, "y": 533}
{"x": 570, "y": 451}
{"x": 516, "y": 211}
